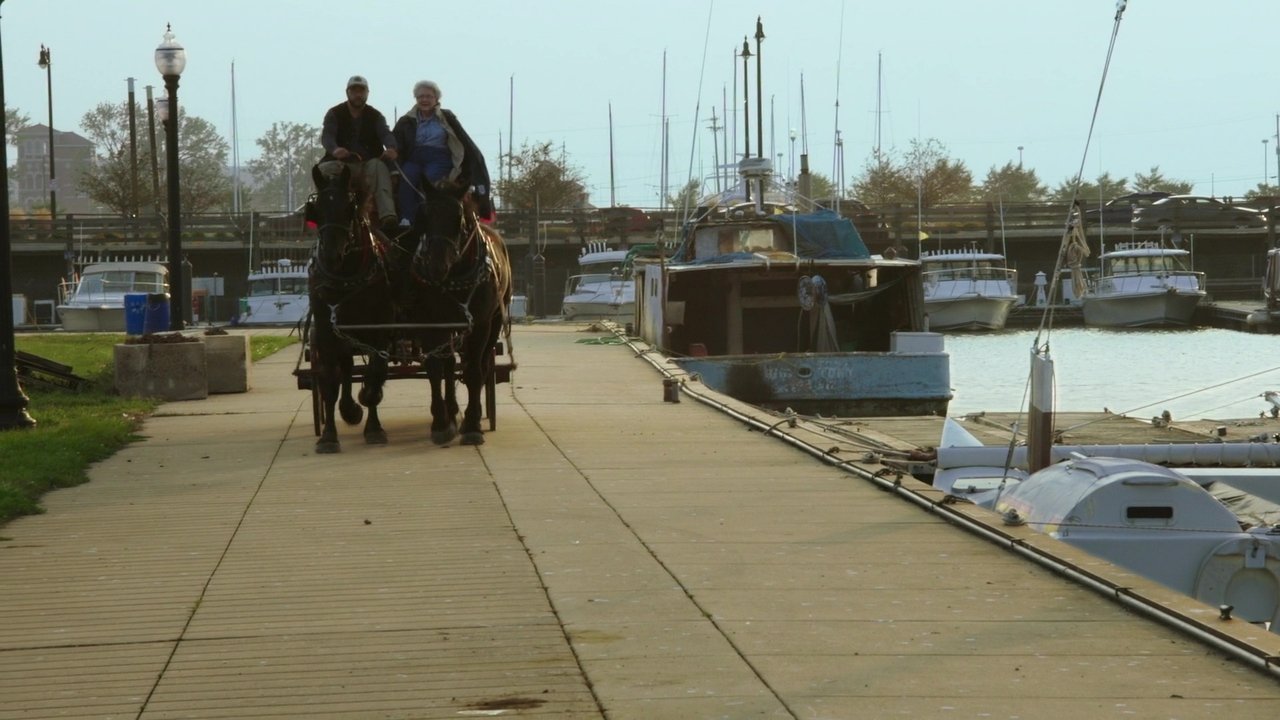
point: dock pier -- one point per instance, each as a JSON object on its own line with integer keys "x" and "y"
{"x": 607, "y": 553}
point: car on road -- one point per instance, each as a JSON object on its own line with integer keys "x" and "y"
{"x": 1184, "y": 211}
{"x": 1119, "y": 210}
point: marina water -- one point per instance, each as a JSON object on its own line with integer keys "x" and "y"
{"x": 1140, "y": 373}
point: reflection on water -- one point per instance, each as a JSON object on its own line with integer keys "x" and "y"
{"x": 1137, "y": 372}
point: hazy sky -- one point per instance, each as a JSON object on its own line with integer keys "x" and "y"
{"x": 1192, "y": 88}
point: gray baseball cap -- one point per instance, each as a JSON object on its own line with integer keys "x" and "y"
{"x": 358, "y": 81}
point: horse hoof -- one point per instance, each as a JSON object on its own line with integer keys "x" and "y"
{"x": 351, "y": 414}
{"x": 375, "y": 438}
{"x": 473, "y": 438}
{"x": 443, "y": 437}
{"x": 327, "y": 448}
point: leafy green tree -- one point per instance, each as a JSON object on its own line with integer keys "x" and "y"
{"x": 108, "y": 181}
{"x": 1263, "y": 191}
{"x": 1156, "y": 181}
{"x": 202, "y": 161}
{"x": 688, "y": 196}
{"x": 540, "y": 178}
{"x": 15, "y": 121}
{"x": 942, "y": 179}
{"x": 1012, "y": 183}
{"x": 884, "y": 182}
{"x": 1103, "y": 189}
{"x": 289, "y": 151}
{"x": 821, "y": 187}
{"x": 924, "y": 174}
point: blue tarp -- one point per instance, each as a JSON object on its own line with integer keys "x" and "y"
{"x": 823, "y": 234}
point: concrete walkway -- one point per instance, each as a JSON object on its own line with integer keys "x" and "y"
{"x": 604, "y": 554}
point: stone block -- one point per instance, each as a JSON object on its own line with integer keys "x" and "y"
{"x": 170, "y": 371}
{"x": 228, "y": 358}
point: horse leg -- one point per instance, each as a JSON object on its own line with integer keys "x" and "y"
{"x": 351, "y": 411}
{"x": 371, "y": 397}
{"x": 444, "y": 425}
{"x": 475, "y": 364}
{"x": 328, "y": 382}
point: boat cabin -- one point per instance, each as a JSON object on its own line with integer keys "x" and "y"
{"x": 743, "y": 283}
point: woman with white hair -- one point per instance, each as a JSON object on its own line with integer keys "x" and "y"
{"x": 435, "y": 149}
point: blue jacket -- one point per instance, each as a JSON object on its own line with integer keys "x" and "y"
{"x": 468, "y": 162}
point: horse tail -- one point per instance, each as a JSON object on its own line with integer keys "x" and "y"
{"x": 505, "y": 283}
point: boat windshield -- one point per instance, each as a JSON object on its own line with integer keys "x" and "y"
{"x": 724, "y": 240}
{"x": 121, "y": 281}
{"x": 278, "y": 285}
{"x": 577, "y": 281}
{"x": 967, "y": 270}
{"x": 1148, "y": 264}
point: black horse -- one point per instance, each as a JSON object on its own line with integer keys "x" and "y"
{"x": 460, "y": 276}
{"x": 348, "y": 285}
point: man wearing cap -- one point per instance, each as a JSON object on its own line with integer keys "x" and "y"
{"x": 356, "y": 132}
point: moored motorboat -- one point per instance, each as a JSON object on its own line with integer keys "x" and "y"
{"x": 968, "y": 290}
{"x": 788, "y": 310}
{"x": 95, "y": 300}
{"x": 1143, "y": 285}
{"x": 277, "y": 295}
{"x": 603, "y": 290}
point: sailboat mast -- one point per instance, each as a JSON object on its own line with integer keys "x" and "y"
{"x": 715, "y": 146}
{"x": 662, "y": 174}
{"x": 235, "y": 146}
{"x": 746, "y": 115}
{"x": 879, "y": 76}
{"x": 511, "y": 114}
{"x": 613, "y": 192}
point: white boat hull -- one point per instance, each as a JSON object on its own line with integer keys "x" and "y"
{"x": 1168, "y": 307}
{"x": 273, "y": 309}
{"x": 104, "y": 318}
{"x": 973, "y": 312}
{"x": 597, "y": 310}
{"x": 844, "y": 384}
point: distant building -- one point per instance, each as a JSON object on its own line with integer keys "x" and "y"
{"x": 72, "y": 154}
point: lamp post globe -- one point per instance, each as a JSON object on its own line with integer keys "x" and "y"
{"x": 171, "y": 60}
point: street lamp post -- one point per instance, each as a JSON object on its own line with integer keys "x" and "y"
{"x": 171, "y": 60}
{"x": 46, "y": 64}
{"x": 13, "y": 404}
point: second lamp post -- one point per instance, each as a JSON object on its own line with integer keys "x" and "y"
{"x": 171, "y": 60}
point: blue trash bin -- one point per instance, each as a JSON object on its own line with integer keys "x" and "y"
{"x": 157, "y": 315}
{"x": 135, "y": 313}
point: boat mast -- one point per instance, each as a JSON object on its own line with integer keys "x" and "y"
{"x": 759, "y": 91}
{"x": 235, "y": 150}
{"x": 746, "y": 114}
{"x": 613, "y": 196}
{"x": 715, "y": 146}
{"x": 662, "y": 197}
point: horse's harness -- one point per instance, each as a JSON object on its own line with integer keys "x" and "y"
{"x": 372, "y": 264}
{"x": 470, "y": 242}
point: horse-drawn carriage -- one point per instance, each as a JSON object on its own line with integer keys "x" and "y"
{"x": 431, "y": 304}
